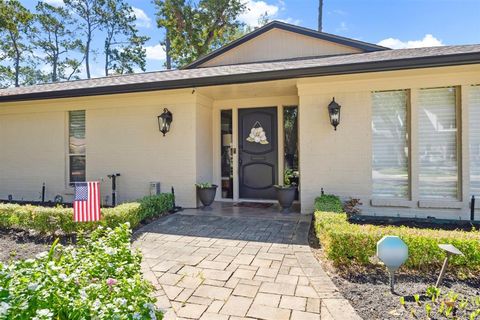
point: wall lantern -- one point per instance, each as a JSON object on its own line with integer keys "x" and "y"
{"x": 164, "y": 121}
{"x": 334, "y": 113}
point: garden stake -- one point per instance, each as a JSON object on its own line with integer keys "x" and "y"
{"x": 450, "y": 250}
{"x": 114, "y": 187}
{"x": 392, "y": 279}
{"x": 43, "y": 192}
{"x": 472, "y": 209}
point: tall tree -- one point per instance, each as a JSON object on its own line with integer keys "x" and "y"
{"x": 194, "y": 29}
{"x": 57, "y": 40}
{"x": 16, "y": 25}
{"x": 90, "y": 14}
{"x": 123, "y": 47}
{"x": 320, "y": 15}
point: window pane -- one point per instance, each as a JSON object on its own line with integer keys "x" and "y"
{"x": 226, "y": 153}
{"x": 77, "y": 132}
{"x": 390, "y": 144}
{"x": 290, "y": 130}
{"x": 77, "y": 168}
{"x": 438, "y": 176}
{"x": 474, "y": 140}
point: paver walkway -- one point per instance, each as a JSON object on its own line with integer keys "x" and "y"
{"x": 222, "y": 267}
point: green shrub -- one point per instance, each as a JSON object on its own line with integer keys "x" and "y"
{"x": 60, "y": 220}
{"x": 99, "y": 278}
{"x": 328, "y": 203}
{"x": 151, "y": 206}
{"x": 347, "y": 243}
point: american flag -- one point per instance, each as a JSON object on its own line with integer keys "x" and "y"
{"x": 86, "y": 205}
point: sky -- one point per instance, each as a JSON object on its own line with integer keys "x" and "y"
{"x": 392, "y": 23}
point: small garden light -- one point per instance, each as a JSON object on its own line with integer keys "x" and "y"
{"x": 334, "y": 113}
{"x": 393, "y": 252}
{"x": 164, "y": 121}
{"x": 449, "y": 250}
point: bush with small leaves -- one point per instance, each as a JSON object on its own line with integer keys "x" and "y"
{"x": 59, "y": 221}
{"x": 348, "y": 244}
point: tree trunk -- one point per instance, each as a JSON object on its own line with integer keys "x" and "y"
{"x": 54, "y": 70}
{"x": 17, "y": 71}
{"x": 55, "y": 60}
{"x": 107, "y": 52}
{"x": 167, "y": 50}
{"x": 16, "y": 64}
{"x": 320, "y": 15}
{"x": 87, "y": 53}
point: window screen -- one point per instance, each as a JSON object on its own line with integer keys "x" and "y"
{"x": 437, "y": 141}
{"x": 76, "y": 146}
{"x": 474, "y": 99}
{"x": 390, "y": 144}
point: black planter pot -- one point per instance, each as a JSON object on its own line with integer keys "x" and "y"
{"x": 207, "y": 195}
{"x": 285, "y": 197}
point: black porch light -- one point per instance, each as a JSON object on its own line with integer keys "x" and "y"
{"x": 334, "y": 113}
{"x": 164, "y": 121}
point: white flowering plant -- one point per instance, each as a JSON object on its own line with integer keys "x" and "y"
{"x": 99, "y": 278}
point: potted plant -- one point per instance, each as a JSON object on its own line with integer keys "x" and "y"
{"x": 206, "y": 192}
{"x": 286, "y": 192}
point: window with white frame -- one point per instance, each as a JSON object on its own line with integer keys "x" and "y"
{"x": 76, "y": 146}
{"x": 437, "y": 143}
{"x": 474, "y": 116}
{"x": 390, "y": 164}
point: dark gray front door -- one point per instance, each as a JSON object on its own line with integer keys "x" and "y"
{"x": 258, "y": 155}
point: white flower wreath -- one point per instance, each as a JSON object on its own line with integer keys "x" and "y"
{"x": 257, "y": 134}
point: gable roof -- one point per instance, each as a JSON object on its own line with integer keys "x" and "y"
{"x": 401, "y": 59}
{"x": 364, "y": 46}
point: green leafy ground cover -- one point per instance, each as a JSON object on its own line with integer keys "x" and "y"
{"x": 99, "y": 278}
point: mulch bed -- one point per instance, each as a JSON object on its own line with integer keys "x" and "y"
{"x": 368, "y": 290}
{"x": 23, "y": 244}
{"x": 19, "y": 245}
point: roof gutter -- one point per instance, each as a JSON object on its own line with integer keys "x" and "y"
{"x": 363, "y": 67}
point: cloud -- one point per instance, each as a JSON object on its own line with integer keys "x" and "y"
{"x": 255, "y": 9}
{"x": 291, "y": 21}
{"x": 156, "y": 52}
{"x": 143, "y": 20}
{"x": 342, "y": 28}
{"x": 427, "y": 41}
{"x": 56, "y": 3}
{"x": 338, "y": 12}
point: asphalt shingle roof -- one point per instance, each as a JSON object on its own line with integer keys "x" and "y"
{"x": 251, "y": 72}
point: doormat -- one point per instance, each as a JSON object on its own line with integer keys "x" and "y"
{"x": 253, "y": 205}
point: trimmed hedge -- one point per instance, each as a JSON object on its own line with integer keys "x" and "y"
{"x": 60, "y": 220}
{"x": 349, "y": 244}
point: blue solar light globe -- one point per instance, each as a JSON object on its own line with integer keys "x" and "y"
{"x": 392, "y": 251}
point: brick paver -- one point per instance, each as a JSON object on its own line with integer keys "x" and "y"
{"x": 222, "y": 267}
